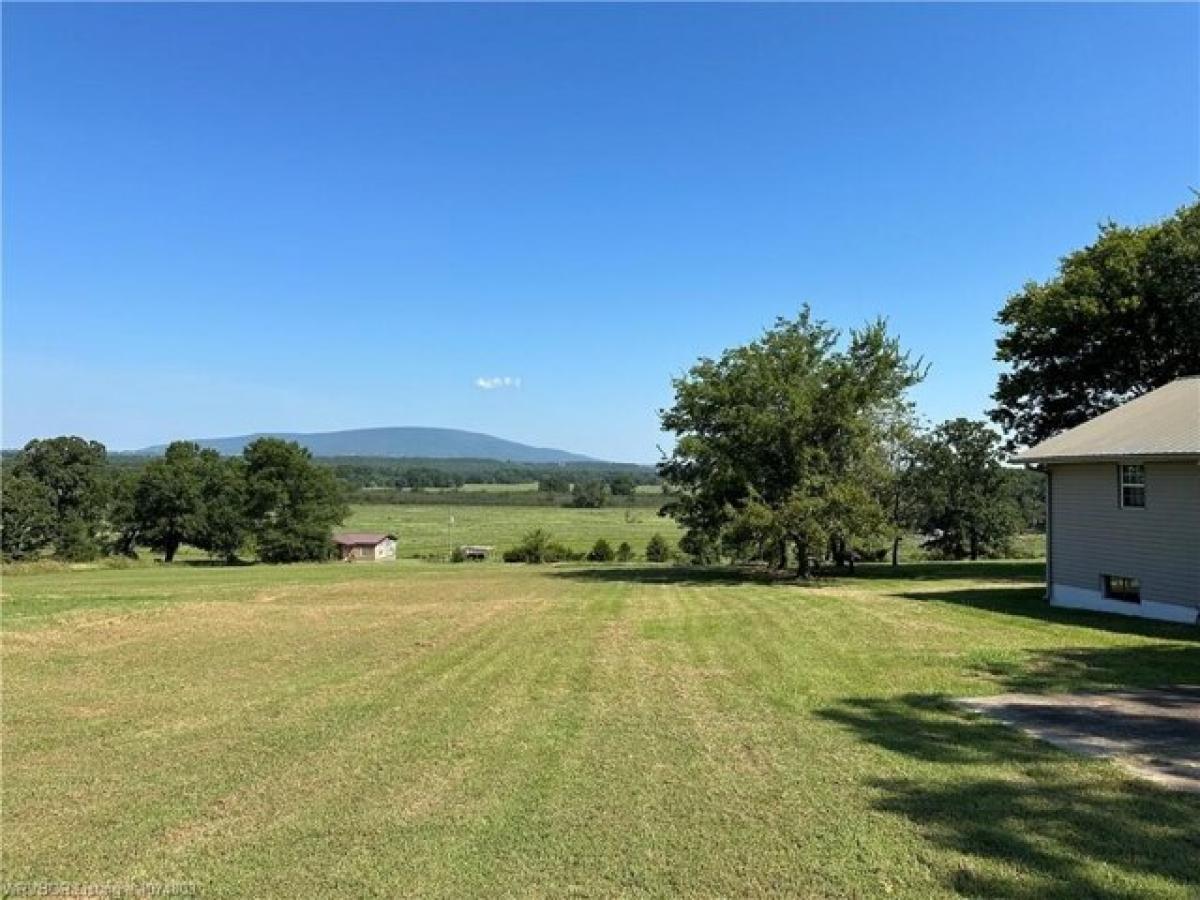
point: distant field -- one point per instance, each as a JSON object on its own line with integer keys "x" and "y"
{"x": 423, "y": 730}
{"x": 473, "y": 488}
{"x": 436, "y": 530}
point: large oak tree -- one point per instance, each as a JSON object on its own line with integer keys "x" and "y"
{"x": 781, "y": 441}
{"x": 1121, "y": 317}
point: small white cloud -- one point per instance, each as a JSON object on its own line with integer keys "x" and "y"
{"x": 497, "y": 381}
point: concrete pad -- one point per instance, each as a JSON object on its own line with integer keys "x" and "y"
{"x": 1154, "y": 733}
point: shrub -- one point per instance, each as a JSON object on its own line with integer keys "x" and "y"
{"x": 658, "y": 550}
{"x": 624, "y": 552}
{"x": 601, "y": 552}
{"x": 457, "y": 555}
{"x": 537, "y": 547}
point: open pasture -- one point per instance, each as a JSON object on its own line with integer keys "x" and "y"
{"x": 436, "y": 530}
{"x": 435, "y": 730}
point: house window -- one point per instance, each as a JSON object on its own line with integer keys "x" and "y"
{"x": 1120, "y": 587}
{"x": 1133, "y": 486}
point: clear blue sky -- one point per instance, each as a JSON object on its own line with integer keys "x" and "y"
{"x": 229, "y": 218}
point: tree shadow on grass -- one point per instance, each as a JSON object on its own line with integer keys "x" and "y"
{"x": 683, "y": 574}
{"x": 1098, "y": 668}
{"x": 1045, "y": 828}
{"x": 1030, "y": 602}
{"x": 666, "y": 574}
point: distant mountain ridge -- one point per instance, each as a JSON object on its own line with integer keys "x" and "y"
{"x": 440, "y": 443}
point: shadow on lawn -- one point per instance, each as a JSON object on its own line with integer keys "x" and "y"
{"x": 1099, "y": 668}
{"x": 1050, "y": 831}
{"x": 1030, "y": 602}
{"x": 1011, "y": 570}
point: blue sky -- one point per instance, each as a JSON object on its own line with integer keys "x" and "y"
{"x": 230, "y": 218}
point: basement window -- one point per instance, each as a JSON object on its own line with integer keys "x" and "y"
{"x": 1133, "y": 487}
{"x": 1123, "y": 588}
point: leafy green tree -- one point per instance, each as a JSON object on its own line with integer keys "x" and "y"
{"x": 124, "y": 528}
{"x": 1121, "y": 317}
{"x": 624, "y": 552}
{"x": 900, "y": 489}
{"x": 601, "y": 551}
{"x": 74, "y": 471}
{"x": 791, "y": 423}
{"x": 701, "y": 547}
{"x": 752, "y": 533}
{"x": 622, "y": 486}
{"x": 292, "y": 504}
{"x": 589, "y": 495}
{"x": 657, "y": 549}
{"x": 554, "y": 484}
{"x": 168, "y": 498}
{"x": 26, "y": 516}
{"x": 968, "y": 503}
{"x": 222, "y": 526}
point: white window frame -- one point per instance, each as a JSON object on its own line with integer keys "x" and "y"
{"x": 1124, "y": 484}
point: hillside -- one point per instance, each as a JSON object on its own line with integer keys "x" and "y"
{"x": 442, "y": 443}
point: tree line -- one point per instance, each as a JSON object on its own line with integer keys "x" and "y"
{"x": 272, "y": 501}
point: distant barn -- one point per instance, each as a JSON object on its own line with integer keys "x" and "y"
{"x": 365, "y": 545}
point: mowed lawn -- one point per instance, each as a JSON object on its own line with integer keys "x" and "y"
{"x": 415, "y": 729}
{"x": 435, "y": 530}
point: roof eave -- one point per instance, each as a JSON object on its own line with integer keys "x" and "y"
{"x": 1051, "y": 459}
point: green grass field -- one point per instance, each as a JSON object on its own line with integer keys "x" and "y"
{"x": 435, "y": 730}
{"x": 426, "y": 531}
{"x": 436, "y": 530}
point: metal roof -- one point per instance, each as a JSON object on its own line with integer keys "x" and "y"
{"x": 361, "y": 537}
{"x": 1163, "y": 424}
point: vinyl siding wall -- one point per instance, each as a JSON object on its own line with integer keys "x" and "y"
{"x": 1092, "y": 535}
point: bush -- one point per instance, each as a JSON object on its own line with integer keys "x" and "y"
{"x": 658, "y": 550}
{"x": 624, "y": 552}
{"x": 457, "y": 555}
{"x": 537, "y": 547}
{"x": 601, "y": 551}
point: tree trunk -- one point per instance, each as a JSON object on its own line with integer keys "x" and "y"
{"x": 169, "y": 551}
{"x": 803, "y": 570}
{"x": 895, "y": 553}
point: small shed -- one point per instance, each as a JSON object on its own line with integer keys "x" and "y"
{"x": 365, "y": 545}
{"x": 474, "y": 551}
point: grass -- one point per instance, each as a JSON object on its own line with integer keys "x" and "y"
{"x": 419, "y": 729}
{"x": 425, "y": 531}
{"x": 431, "y": 530}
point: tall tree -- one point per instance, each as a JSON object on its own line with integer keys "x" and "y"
{"x": 26, "y": 516}
{"x": 222, "y": 525}
{"x": 168, "y": 498}
{"x": 966, "y": 494}
{"x": 1121, "y": 317}
{"x": 788, "y": 426}
{"x": 898, "y": 483}
{"x": 292, "y": 504}
{"x": 73, "y": 471}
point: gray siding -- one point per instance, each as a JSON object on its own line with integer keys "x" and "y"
{"x": 1093, "y": 536}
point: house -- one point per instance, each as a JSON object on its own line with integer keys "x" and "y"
{"x": 1123, "y": 508}
{"x": 354, "y": 545}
